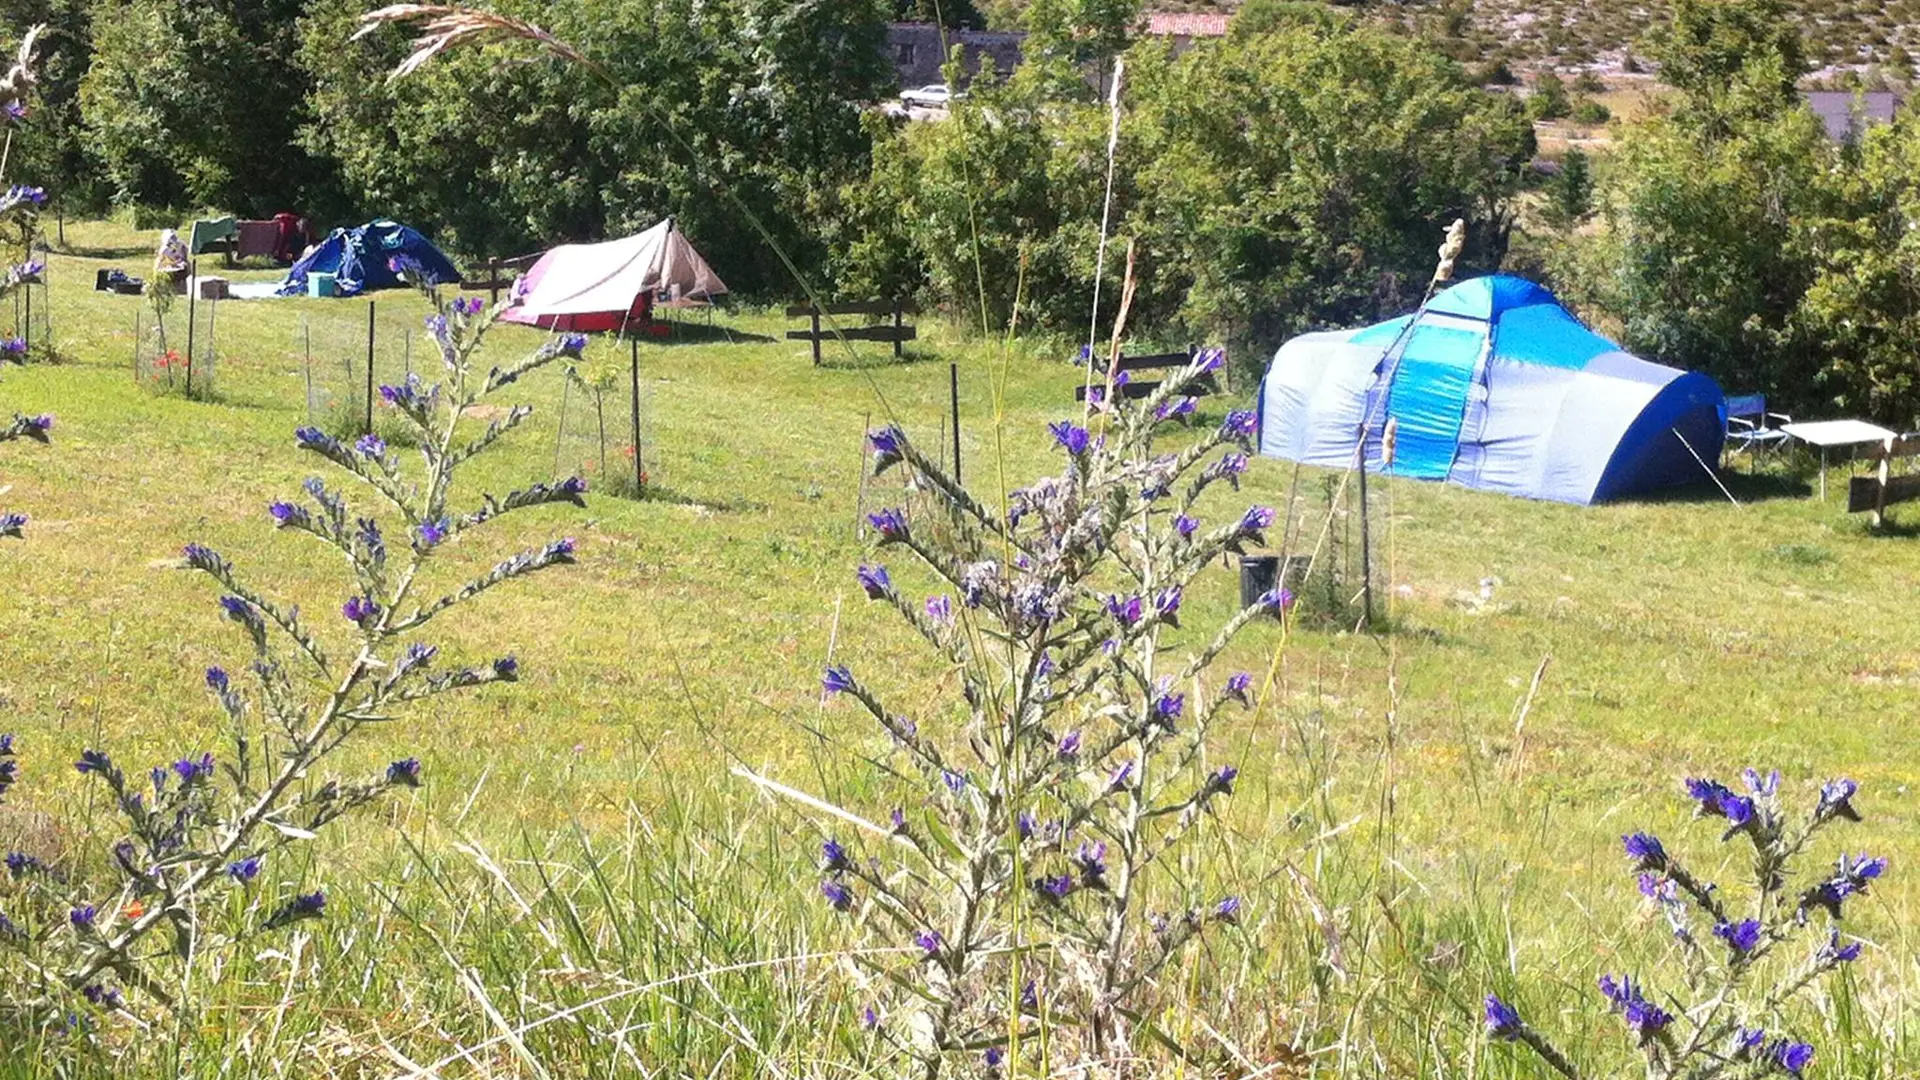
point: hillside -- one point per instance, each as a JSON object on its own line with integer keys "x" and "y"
{"x": 1605, "y": 35}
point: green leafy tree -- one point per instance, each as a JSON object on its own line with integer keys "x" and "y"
{"x": 1549, "y": 98}
{"x": 195, "y": 105}
{"x": 1731, "y": 59}
{"x": 757, "y": 98}
{"x": 1570, "y": 194}
{"x": 1066, "y": 39}
{"x": 1309, "y": 200}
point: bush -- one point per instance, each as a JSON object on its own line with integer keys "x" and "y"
{"x": 1588, "y": 111}
{"x": 1549, "y": 98}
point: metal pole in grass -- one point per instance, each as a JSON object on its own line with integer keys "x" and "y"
{"x": 369, "y": 430}
{"x": 26, "y": 320}
{"x": 953, "y": 386}
{"x": 860, "y": 491}
{"x": 193, "y": 274}
{"x": 1366, "y": 551}
{"x": 136, "y": 346}
{"x": 639, "y": 484}
{"x": 306, "y": 366}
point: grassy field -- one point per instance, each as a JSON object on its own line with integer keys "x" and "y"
{"x": 582, "y": 888}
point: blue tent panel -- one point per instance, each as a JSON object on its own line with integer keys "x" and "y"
{"x": 1428, "y": 394}
{"x": 1496, "y": 387}
{"x": 361, "y": 259}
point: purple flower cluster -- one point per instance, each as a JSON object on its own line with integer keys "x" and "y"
{"x": 405, "y": 772}
{"x": 1645, "y": 1019}
{"x": 1071, "y": 437}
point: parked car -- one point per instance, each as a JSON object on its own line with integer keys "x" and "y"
{"x": 937, "y": 96}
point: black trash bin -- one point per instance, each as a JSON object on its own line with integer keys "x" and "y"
{"x": 1259, "y": 575}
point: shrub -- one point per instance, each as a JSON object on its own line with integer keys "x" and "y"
{"x": 204, "y": 854}
{"x": 1718, "y": 1011}
{"x": 1014, "y": 865}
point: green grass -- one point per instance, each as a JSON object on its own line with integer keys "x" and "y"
{"x": 1406, "y": 836}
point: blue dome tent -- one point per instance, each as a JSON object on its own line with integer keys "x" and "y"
{"x": 1496, "y": 387}
{"x": 359, "y": 259}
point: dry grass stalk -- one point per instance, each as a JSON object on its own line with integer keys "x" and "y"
{"x": 442, "y": 26}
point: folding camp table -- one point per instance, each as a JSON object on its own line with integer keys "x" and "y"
{"x": 1826, "y": 434}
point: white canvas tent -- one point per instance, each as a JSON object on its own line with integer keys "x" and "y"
{"x": 608, "y": 286}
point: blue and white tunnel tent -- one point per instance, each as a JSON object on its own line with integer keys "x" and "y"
{"x": 1499, "y": 388}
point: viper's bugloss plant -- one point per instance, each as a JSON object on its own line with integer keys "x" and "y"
{"x": 86, "y": 934}
{"x": 1716, "y": 1011}
{"x": 1011, "y": 875}
{"x": 19, "y": 213}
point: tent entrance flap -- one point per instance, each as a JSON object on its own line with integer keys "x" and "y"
{"x": 1428, "y": 396}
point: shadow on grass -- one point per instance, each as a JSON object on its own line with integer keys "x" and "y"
{"x": 692, "y": 333}
{"x": 128, "y": 251}
{"x": 1746, "y": 487}
{"x": 833, "y": 357}
{"x": 662, "y": 493}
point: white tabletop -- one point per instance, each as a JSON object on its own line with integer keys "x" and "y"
{"x": 1837, "y": 432}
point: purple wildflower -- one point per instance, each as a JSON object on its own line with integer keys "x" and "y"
{"x": 94, "y": 761}
{"x": 890, "y": 524}
{"x": 1222, "y": 779}
{"x": 837, "y": 896}
{"x": 244, "y": 870}
{"x": 833, "y": 857}
{"x": 372, "y": 446}
{"x": 1185, "y": 526}
{"x": 1503, "y": 1021}
{"x": 940, "y": 609}
{"x": 506, "y": 669}
{"x": 889, "y": 447}
{"x": 1240, "y": 687}
{"x": 431, "y": 534}
{"x": 1055, "y": 888}
{"x": 1275, "y": 600}
{"x": 1072, "y": 437}
{"x": 1091, "y": 861}
{"x": 1645, "y": 851}
{"x": 83, "y": 916}
{"x": 1227, "y": 910}
{"x": 1125, "y": 610}
{"x": 993, "y": 1057}
{"x": 286, "y": 513}
{"x": 1835, "y": 953}
{"x": 360, "y": 610}
{"x": 405, "y": 771}
{"x": 1240, "y": 424}
{"x": 929, "y": 942}
{"x": 1169, "y": 707}
{"x": 1168, "y": 409}
{"x": 190, "y": 770}
{"x": 1256, "y": 520}
{"x": 1836, "y": 800}
{"x": 1742, "y": 937}
{"x": 836, "y": 679}
{"x": 874, "y": 580}
{"x": 1069, "y": 747}
{"x": 1168, "y": 605}
{"x": 1792, "y": 1057}
{"x": 1120, "y": 777}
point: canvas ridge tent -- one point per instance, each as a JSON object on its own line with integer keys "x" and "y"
{"x": 1497, "y": 387}
{"x": 611, "y": 285}
{"x": 360, "y": 259}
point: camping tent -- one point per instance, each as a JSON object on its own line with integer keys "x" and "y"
{"x": 594, "y": 287}
{"x": 1495, "y": 387}
{"x": 360, "y": 259}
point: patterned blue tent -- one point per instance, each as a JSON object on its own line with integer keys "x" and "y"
{"x": 360, "y": 259}
{"x": 1496, "y": 387}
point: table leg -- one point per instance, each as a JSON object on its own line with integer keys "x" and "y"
{"x": 1823, "y": 474}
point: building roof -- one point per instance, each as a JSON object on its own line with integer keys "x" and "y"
{"x": 1186, "y": 24}
{"x": 1844, "y": 113}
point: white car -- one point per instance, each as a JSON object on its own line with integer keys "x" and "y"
{"x": 937, "y": 96}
